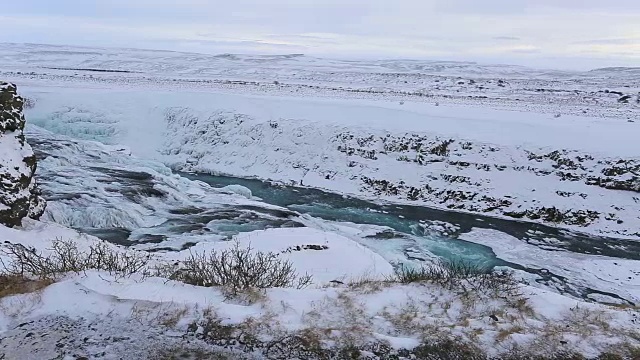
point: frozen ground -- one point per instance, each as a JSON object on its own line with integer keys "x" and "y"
{"x": 557, "y": 148}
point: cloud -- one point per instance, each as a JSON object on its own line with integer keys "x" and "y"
{"x": 506, "y": 38}
{"x": 240, "y": 47}
{"x": 525, "y": 49}
{"x": 618, "y": 41}
{"x": 520, "y": 7}
{"x": 488, "y": 30}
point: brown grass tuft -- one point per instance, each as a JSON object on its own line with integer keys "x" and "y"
{"x": 16, "y": 285}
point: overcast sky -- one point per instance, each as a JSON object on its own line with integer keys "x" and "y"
{"x": 542, "y": 33}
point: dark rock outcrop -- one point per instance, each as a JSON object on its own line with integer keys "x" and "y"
{"x": 19, "y": 194}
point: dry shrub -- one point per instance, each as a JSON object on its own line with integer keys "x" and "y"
{"x": 461, "y": 275}
{"x": 525, "y": 354}
{"x": 66, "y": 257}
{"x": 187, "y": 351}
{"x": 448, "y": 349}
{"x": 170, "y": 319}
{"x": 239, "y": 269}
{"x": 505, "y": 333}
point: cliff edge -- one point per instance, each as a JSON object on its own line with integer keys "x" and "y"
{"x": 19, "y": 194}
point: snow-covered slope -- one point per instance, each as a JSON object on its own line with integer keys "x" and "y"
{"x": 100, "y": 315}
{"x": 572, "y": 171}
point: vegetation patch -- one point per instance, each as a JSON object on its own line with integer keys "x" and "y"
{"x": 460, "y": 275}
{"x": 17, "y": 284}
{"x": 238, "y": 269}
{"x": 66, "y": 257}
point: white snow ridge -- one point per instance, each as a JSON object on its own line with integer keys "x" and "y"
{"x": 290, "y": 207}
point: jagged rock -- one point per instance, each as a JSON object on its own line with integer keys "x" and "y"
{"x": 624, "y": 99}
{"x": 19, "y": 194}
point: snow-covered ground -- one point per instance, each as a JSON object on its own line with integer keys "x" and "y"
{"x": 98, "y": 315}
{"x": 558, "y": 148}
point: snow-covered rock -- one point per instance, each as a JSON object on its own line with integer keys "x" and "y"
{"x": 19, "y": 195}
{"x": 238, "y": 189}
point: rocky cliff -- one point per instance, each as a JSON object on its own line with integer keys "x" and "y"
{"x": 19, "y": 194}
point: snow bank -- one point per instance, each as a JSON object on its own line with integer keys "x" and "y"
{"x": 40, "y": 235}
{"x": 324, "y": 255}
{"x": 238, "y": 189}
{"x": 606, "y": 274}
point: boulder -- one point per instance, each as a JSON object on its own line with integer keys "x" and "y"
{"x": 19, "y": 194}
